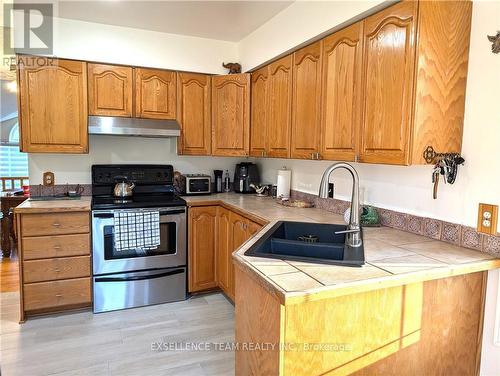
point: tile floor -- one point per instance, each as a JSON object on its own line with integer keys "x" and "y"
{"x": 118, "y": 343}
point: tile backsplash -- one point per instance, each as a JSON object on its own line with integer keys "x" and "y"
{"x": 453, "y": 233}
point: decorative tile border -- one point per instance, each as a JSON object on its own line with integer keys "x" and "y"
{"x": 453, "y": 233}
{"x": 58, "y": 189}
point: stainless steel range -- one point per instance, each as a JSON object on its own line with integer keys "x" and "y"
{"x": 130, "y": 276}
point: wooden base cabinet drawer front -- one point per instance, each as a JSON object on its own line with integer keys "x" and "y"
{"x": 55, "y": 224}
{"x": 56, "y": 268}
{"x": 40, "y": 247}
{"x": 47, "y": 295}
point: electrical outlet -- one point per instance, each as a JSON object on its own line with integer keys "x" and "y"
{"x": 48, "y": 179}
{"x": 487, "y": 219}
{"x": 330, "y": 190}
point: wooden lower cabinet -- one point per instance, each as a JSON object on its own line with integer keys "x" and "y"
{"x": 201, "y": 245}
{"x": 215, "y": 232}
{"x": 54, "y": 261}
{"x": 424, "y": 328}
{"x": 57, "y": 294}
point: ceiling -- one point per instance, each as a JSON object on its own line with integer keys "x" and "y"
{"x": 223, "y": 20}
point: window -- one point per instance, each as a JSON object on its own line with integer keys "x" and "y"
{"x": 13, "y": 163}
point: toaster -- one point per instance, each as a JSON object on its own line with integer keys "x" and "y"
{"x": 196, "y": 184}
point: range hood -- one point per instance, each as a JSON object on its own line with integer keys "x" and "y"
{"x": 123, "y": 126}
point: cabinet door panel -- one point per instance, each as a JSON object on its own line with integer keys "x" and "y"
{"x": 341, "y": 113}
{"x": 53, "y": 105}
{"x": 279, "y": 107}
{"x": 155, "y": 93}
{"x": 306, "y": 102}
{"x": 389, "y": 54}
{"x": 224, "y": 249}
{"x": 239, "y": 235}
{"x": 231, "y": 115}
{"x": 194, "y": 113}
{"x": 110, "y": 90}
{"x": 202, "y": 242}
{"x": 259, "y": 118}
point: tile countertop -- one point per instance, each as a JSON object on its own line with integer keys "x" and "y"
{"x": 54, "y": 206}
{"x": 393, "y": 257}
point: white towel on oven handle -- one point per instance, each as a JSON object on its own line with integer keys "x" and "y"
{"x": 136, "y": 229}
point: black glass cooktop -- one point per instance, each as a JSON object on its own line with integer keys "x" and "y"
{"x": 137, "y": 201}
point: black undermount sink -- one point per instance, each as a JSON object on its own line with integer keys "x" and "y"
{"x": 308, "y": 242}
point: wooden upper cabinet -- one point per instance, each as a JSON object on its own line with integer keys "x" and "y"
{"x": 306, "y": 102}
{"x": 155, "y": 93}
{"x": 441, "y": 76}
{"x": 389, "y": 57}
{"x": 342, "y": 105}
{"x": 52, "y": 101}
{"x": 110, "y": 90}
{"x": 231, "y": 115}
{"x": 259, "y": 118}
{"x": 202, "y": 246}
{"x": 279, "y": 107}
{"x": 193, "y": 113}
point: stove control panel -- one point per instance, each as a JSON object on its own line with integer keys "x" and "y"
{"x": 139, "y": 174}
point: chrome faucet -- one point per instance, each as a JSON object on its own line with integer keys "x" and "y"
{"x": 354, "y": 230}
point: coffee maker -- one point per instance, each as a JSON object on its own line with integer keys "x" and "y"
{"x": 245, "y": 174}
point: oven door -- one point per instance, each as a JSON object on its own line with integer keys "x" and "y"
{"x": 170, "y": 253}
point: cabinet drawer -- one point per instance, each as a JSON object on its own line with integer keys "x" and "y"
{"x": 45, "y": 295}
{"x": 39, "y": 247}
{"x": 56, "y": 268}
{"x": 54, "y": 224}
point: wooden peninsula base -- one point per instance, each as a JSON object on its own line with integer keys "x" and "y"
{"x": 425, "y": 328}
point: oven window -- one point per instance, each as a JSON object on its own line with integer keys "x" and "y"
{"x": 168, "y": 243}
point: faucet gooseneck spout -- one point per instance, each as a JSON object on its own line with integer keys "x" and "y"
{"x": 354, "y": 231}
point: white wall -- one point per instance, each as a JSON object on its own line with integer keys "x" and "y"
{"x": 298, "y": 23}
{"x": 409, "y": 189}
{"x": 115, "y": 44}
{"x": 75, "y": 168}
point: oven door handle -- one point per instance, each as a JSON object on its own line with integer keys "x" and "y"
{"x": 103, "y": 215}
{"x": 139, "y": 278}
{"x": 169, "y": 212}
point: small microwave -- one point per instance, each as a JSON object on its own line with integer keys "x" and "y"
{"x": 196, "y": 184}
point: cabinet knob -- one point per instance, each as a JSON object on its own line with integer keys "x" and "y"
{"x": 56, "y": 224}
{"x": 57, "y": 247}
{"x": 312, "y": 155}
{"x": 356, "y": 158}
{"x": 59, "y": 295}
{"x": 57, "y": 270}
